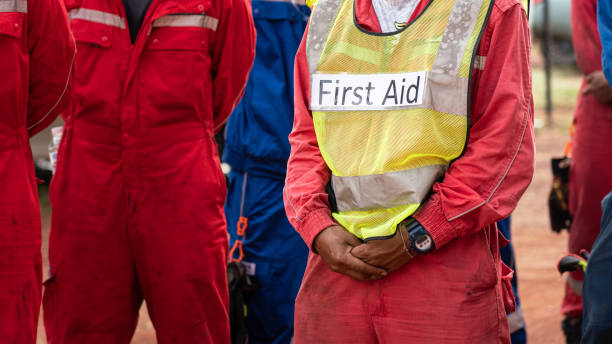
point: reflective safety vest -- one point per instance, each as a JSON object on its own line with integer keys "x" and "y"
{"x": 391, "y": 110}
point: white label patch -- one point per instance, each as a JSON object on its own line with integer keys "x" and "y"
{"x": 362, "y": 92}
{"x": 250, "y": 268}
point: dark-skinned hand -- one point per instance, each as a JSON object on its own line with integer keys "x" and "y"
{"x": 334, "y": 245}
{"x": 598, "y": 86}
{"x": 389, "y": 254}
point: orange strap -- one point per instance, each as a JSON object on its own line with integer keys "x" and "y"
{"x": 568, "y": 145}
{"x": 241, "y": 228}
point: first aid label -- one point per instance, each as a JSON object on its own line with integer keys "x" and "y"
{"x": 364, "y": 92}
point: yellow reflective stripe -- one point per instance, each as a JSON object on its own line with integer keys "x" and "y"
{"x": 374, "y": 223}
{"x": 19, "y": 6}
{"x": 187, "y": 20}
{"x": 356, "y": 52}
{"x": 96, "y": 16}
{"x": 384, "y": 191}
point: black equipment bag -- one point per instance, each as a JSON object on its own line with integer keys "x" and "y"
{"x": 558, "y": 200}
{"x": 240, "y": 287}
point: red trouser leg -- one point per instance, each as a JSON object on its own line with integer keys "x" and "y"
{"x": 92, "y": 295}
{"x": 180, "y": 243}
{"x": 20, "y": 259}
{"x": 449, "y": 296}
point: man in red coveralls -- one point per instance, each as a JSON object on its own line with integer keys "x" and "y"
{"x": 591, "y": 168}
{"x": 36, "y": 56}
{"x": 450, "y": 287}
{"x": 138, "y": 193}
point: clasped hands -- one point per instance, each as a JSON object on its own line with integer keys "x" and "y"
{"x": 346, "y": 254}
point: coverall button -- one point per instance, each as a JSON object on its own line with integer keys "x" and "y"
{"x": 104, "y": 38}
{"x": 256, "y": 11}
{"x": 16, "y": 25}
{"x": 155, "y": 40}
{"x": 200, "y": 7}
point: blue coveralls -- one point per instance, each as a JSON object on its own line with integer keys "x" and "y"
{"x": 516, "y": 320}
{"x": 596, "y": 295}
{"x": 604, "y": 23}
{"x": 257, "y": 149}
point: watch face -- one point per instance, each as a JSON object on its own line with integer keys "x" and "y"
{"x": 423, "y": 243}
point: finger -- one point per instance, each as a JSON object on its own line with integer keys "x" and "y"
{"x": 359, "y": 266}
{"x": 360, "y": 251}
{"x": 352, "y": 240}
{"x": 588, "y": 89}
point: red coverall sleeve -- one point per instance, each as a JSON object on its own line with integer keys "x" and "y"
{"x": 306, "y": 202}
{"x": 485, "y": 184}
{"x": 52, "y": 52}
{"x": 233, "y": 52}
{"x": 585, "y": 36}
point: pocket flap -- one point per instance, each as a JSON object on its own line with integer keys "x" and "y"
{"x": 177, "y": 38}
{"x": 93, "y": 33}
{"x": 11, "y": 24}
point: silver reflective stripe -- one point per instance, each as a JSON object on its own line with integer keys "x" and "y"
{"x": 19, "y": 6}
{"x": 187, "y": 20}
{"x": 480, "y": 62}
{"x": 461, "y": 23}
{"x": 454, "y": 101}
{"x": 516, "y": 320}
{"x": 385, "y": 191}
{"x": 321, "y": 21}
{"x": 446, "y": 93}
{"x": 96, "y": 16}
{"x": 575, "y": 284}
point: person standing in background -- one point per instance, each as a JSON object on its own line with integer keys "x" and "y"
{"x": 590, "y": 170}
{"x": 257, "y": 149}
{"x": 36, "y": 57}
{"x": 138, "y": 192}
{"x": 597, "y": 315}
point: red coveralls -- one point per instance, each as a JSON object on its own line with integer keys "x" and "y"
{"x": 36, "y": 56}
{"x": 459, "y": 293}
{"x": 591, "y": 170}
{"x": 138, "y": 193}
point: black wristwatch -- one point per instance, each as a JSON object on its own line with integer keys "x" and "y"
{"x": 420, "y": 239}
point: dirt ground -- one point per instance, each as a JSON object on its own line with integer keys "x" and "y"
{"x": 537, "y": 248}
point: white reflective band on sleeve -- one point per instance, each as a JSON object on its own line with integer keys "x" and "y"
{"x": 19, "y": 6}
{"x": 187, "y": 20}
{"x": 364, "y": 92}
{"x": 516, "y": 320}
{"x": 96, "y": 16}
{"x": 575, "y": 284}
{"x": 480, "y": 62}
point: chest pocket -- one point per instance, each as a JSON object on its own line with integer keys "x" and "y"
{"x": 95, "y": 62}
{"x": 11, "y": 26}
{"x": 175, "y": 69}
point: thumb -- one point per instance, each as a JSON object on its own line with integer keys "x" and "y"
{"x": 588, "y": 90}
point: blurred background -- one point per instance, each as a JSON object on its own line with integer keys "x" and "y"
{"x": 537, "y": 247}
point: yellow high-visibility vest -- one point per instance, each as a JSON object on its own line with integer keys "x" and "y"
{"x": 391, "y": 110}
